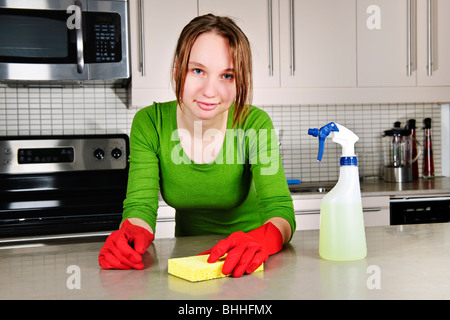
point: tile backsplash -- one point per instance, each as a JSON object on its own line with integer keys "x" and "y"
{"x": 299, "y": 150}
{"x": 103, "y": 110}
{"x": 64, "y": 111}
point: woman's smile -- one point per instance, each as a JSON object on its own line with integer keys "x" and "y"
{"x": 206, "y": 106}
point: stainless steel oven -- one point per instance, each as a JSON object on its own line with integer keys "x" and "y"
{"x": 64, "y": 40}
{"x": 62, "y": 184}
{"x": 420, "y": 210}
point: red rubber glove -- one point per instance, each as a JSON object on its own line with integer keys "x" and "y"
{"x": 247, "y": 251}
{"x": 124, "y": 248}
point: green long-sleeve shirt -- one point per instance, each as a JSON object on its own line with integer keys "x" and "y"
{"x": 244, "y": 187}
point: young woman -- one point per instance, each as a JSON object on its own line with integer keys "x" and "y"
{"x": 213, "y": 156}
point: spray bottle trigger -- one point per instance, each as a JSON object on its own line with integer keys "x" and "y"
{"x": 323, "y": 133}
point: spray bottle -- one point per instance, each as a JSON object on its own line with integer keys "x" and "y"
{"x": 342, "y": 234}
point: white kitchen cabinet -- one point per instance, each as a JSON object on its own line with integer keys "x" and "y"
{"x": 318, "y": 43}
{"x": 307, "y": 215}
{"x": 165, "y": 221}
{"x": 440, "y": 45}
{"x": 153, "y": 37}
{"x": 337, "y": 58}
{"x": 393, "y": 47}
{"x": 259, "y": 20}
{"x": 323, "y": 43}
{"x": 376, "y": 212}
{"x": 383, "y": 43}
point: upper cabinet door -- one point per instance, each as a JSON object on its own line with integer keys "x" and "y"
{"x": 318, "y": 43}
{"x": 386, "y": 43}
{"x": 433, "y": 42}
{"x": 259, "y": 20}
{"x": 153, "y": 37}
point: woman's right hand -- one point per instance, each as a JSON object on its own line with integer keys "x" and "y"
{"x": 124, "y": 248}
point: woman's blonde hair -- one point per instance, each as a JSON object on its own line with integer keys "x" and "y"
{"x": 240, "y": 52}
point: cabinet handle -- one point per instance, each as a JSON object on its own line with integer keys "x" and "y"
{"x": 307, "y": 212}
{"x": 292, "y": 38}
{"x": 371, "y": 209}
{"x": 430, "y": 37}
{"x": 270, "y": 39}
{"x": 142, "y": 40}
{"x": 165, "y": 220}
{"x": 318, "y": 211}
{"x": 409, "y": 18}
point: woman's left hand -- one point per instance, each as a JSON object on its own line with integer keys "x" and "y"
{"x": 247, "y": 251}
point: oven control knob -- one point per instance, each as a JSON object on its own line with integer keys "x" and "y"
{"x": 116, "y": 153}
{"x": 99, "y": 154}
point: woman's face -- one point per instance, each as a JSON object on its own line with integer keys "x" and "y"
{"x": 209, "y": 88}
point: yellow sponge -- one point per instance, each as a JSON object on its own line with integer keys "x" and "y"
{"x": 196, "y": 268}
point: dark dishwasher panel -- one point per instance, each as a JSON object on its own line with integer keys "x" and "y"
{"x": 420, "y": 210}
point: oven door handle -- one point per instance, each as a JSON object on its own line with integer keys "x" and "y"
{"x": 419, "y": 199}
{"x": 80, "y": 40}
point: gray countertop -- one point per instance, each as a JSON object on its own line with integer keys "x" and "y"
{"x": 378, "y": 187}
{"x": 403, "y": 262}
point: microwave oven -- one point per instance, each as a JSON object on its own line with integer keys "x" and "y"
{"x": 46, "y": 40}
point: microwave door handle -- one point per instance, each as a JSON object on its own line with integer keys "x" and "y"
{"x": 79, "y": 38}
{"x": 80, "y": 54}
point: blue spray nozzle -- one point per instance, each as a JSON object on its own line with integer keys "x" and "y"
{"x": 313, "y": 132}
{"x": 323, "y": 133}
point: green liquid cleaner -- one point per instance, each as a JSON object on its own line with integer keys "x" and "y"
{"x": 342, "y": 233}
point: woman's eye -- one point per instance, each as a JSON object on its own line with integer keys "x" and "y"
{"x": 228, "y": 76}
{"x": 197, "y": 71}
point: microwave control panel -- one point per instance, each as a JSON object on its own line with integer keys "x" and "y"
{"x": 105, "y": 38}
